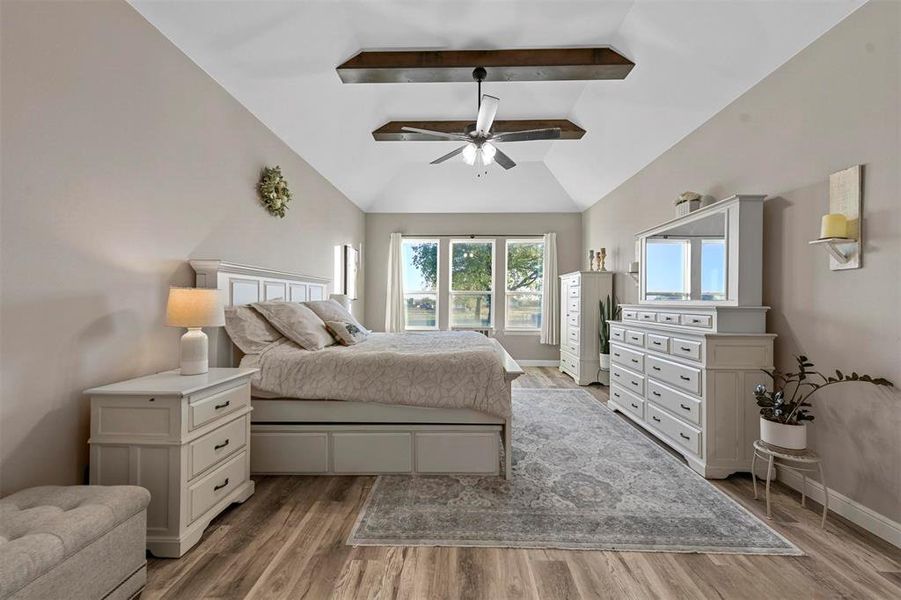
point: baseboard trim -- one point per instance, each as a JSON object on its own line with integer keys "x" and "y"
{"x": 537, "y": 363}
{"x": 857, "y": 513}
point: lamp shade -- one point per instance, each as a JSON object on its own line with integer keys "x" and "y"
{"x": 194, "y": 307}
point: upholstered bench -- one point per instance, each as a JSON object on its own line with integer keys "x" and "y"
{"x": 73, "y": 542}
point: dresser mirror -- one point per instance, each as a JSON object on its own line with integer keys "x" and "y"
{"x": 687, "y": 262}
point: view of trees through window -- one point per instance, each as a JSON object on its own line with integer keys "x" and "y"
{"x": 421, "y": 283}
{"x": 472, "y": 285}
{"x": 470, "y": 295}
{"x": 525, "y": 265}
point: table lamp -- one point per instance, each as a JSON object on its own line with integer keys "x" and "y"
{"x": 194, "y": 308}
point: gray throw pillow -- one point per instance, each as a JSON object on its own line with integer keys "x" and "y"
{"x": 249, "y": 330}
{"x": 297, "y": 323}
{"x": 346, "y": 333}
{"x": 329, "y": 310}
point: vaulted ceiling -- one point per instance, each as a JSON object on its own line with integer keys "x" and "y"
{"x": 692, "y": 58}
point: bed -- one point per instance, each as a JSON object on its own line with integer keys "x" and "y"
{"x": 396, "y": 403}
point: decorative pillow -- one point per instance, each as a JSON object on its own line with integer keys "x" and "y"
{"x": 346, "y": 333}
{"x": 330, "y": 310}
{"x": 297, "y": 323}
{"x": 249, "y": 330}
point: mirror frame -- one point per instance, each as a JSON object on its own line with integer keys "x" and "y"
{"x": 743, "y": 217}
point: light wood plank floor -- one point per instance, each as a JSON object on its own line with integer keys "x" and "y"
{"x": 287, "y": 541}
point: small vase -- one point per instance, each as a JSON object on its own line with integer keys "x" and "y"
{"x": 791, "y": 437}
{"x": 605, "y": 362}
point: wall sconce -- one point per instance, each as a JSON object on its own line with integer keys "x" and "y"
{"x": 840, "y": 231}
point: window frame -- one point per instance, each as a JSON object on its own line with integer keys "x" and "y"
{"x": 508, "y": 292}
{"x": 437, "y": 291}
{"x": 450, "y": 280}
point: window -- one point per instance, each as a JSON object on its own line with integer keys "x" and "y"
{"x": 713, "y": 269}
{"x": 667, "y": 269}
{"x": 472, "y": 283}
{"x": 525, "y": 267}
{"x": 420, "y": 283}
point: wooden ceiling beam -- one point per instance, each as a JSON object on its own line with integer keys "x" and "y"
{"x": 543, "y": 64}
{"x": 393, "y": 130}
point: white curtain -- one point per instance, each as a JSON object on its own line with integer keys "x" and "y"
{"x": 550, "y": 295}
{"x": 394, "y": 303}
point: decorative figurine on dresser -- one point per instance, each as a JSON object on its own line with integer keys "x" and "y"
{"x": 685, "y": 360}
{"x": 580, "y": 295}
{"x": 184, "y": 438}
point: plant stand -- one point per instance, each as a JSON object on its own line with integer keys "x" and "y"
{"x": 801, "y": 462}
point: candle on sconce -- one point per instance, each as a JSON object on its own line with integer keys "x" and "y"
{"x": 834, "y": 225}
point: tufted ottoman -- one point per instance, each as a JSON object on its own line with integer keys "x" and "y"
{"x": 71, "y": 542}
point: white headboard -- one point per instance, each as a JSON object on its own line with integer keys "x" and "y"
{"x": 244, "y": 284}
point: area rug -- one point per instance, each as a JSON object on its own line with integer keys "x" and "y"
{"x": 583, "y": 478}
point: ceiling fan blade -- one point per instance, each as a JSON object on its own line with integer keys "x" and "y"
{"x": 503, "y": 160}
{"x": 447, "y": 156}
{"x": 487, "y": 110}
{"x": 551, "y": 133}
{"x": 438, "y": 135}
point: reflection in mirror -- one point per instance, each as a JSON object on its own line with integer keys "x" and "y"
{"x": 687, "y": 262}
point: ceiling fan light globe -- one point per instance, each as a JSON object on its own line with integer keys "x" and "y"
{"x": 488, "y": 152}
{"x": 469, "y": 154}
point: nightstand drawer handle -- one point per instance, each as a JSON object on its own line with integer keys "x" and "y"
{"x": 223, "y": 405}
{"x": 221, "y": 485}
{"x": 225, "y": 443}
{"x": 684, "y": 378}
{"x": 656, "y": 419}
{"x": 682, "y": 435}
{"x": 683, "y": 407}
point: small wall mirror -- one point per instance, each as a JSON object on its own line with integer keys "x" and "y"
{"x": 686, "y": 262}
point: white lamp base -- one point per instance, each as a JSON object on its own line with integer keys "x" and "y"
{"x": 195, "y": 358}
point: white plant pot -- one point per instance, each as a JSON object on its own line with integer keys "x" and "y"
{"x": 793, "y": 437}
{"x": 605, "y": 362}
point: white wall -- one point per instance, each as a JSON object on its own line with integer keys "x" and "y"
{"x": 379, "y": 226}
{"x": 834, "y": 105}
{"x": 120, "y": 160}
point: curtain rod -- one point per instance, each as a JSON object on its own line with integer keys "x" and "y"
{"x": 472, "y": 235}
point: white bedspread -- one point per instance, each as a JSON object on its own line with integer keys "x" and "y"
{"x": 447, "y": 369}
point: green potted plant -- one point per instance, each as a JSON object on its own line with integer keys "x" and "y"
{"x": 783, "y": 410}
{"x": 609, "y": 311}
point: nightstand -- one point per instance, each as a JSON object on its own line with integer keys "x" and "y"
{"x": 186, "y": 438}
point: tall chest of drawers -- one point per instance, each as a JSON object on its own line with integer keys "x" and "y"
{"x": 687, "y": 375}
{"x": 184, "y": 438}
{"x": 580, "y": 294}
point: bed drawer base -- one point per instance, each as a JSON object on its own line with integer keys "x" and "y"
{"x": 373, "y": 449}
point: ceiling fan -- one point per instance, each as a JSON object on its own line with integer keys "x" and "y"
{"x": 480, "y": 146}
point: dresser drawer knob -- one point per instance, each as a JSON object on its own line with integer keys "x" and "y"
{"x": 656, "y": 419}
{"x": 635, "y": 360}
{"x": 616, "y": 354}
{"x": 684, "y": 349}
{"x": 683, "y": 407}
{"x": 656, "y": 394}
{"x": 684, "y": 378}
{"x": 683, "y": 436}
{"x": 221, "y": 446}
{"x": 616, "y": 374}
{"x": 221, "y": 485}
{"x": 656, "y": 368}
{"x": 223, "y": 405}
{"x": 656, "y": 343}
{"x": 633, "y": 382}
{"x": 616, "y": 394}
{"x": 634, "y": 405}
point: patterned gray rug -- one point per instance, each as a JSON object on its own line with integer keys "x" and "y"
{"x": 582, "y": 479}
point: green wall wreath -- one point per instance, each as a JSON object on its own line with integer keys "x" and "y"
{"x": 274, "y": 192}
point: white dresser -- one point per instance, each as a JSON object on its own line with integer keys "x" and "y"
{"x": 691, "y": 385}
{"x": 686, "y": 358}
{"x": 184, "y": 438}
{"x": 580, "y": 295}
